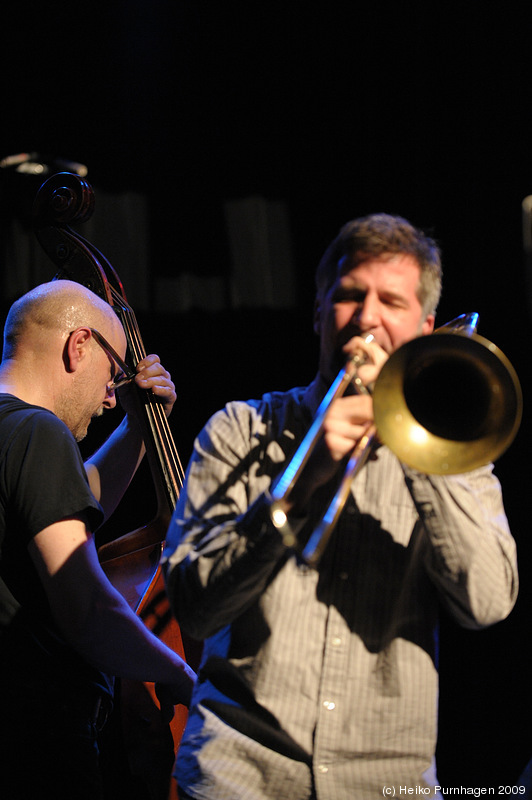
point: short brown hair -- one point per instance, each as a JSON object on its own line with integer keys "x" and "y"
{"x": 376, "y": 235}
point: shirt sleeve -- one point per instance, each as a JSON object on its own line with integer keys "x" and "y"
{"x": 46, "y": 477}
{"x": 221, "y": 547}
{"x": 471, "y": 556}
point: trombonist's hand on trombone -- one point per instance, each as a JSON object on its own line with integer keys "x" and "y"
{"x": 373, "y": 355}
{"x": 349, "y": 417}
{"x": 347, "y": 420}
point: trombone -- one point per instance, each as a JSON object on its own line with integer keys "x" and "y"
{"x": 420, "y": 415}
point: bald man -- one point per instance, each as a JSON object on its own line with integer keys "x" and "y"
{"x": 63, "y": 627}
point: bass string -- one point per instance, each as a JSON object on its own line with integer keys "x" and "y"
{"x": 157, "y": 419}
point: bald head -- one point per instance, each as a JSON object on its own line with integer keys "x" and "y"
{"x": 51, "y": 357}
{"x": 55, "y": 308}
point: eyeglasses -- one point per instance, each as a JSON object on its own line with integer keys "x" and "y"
{"x": 125, "y": 374}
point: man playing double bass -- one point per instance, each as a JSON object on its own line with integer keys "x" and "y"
{"x": 322, "y": 682}
{"x": 64, "y": 629}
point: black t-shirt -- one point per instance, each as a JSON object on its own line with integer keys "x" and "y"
{"x": 42, "y": 480}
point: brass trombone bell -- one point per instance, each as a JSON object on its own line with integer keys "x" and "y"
{"x": 447, "y": 403}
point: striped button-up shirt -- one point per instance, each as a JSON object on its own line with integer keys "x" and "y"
{"x": 323, "y": 680}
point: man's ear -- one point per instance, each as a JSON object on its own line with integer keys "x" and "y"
{"x": 76, "y": 348}
{"x": 428, "y": 325}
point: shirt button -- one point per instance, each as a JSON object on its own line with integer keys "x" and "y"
{"x": 427, "y": 510}
{"x": 336, "y": 641}
{"x": 323, "y": 769}
{"x": 329, "y": 705}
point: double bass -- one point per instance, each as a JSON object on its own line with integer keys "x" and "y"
{"x": 132, "y": 561}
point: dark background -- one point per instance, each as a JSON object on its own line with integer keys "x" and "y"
{"x": 306, "y": 117}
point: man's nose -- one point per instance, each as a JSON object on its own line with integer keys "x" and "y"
{"x": 367, "y": 313}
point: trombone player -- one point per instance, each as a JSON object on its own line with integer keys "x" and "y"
{"x": 320, "y": 682}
